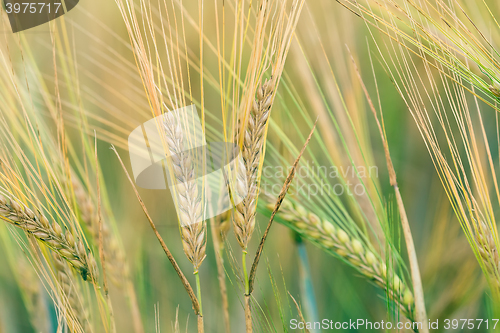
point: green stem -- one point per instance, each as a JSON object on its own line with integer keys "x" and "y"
{"x": 245, "y": 275}
{"x": 248, "y": 312}
{"x": 198, "y": 291}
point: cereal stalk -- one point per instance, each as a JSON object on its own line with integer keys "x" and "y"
{"x": 189, "y": 203}
{"x": 247, "y": 177}
{"x": 182, "y": 277}
{"x": 277, "y": 206}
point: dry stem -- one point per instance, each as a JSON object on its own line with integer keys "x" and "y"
{"x": 184, "y": 280}
{"x": 277, "y": 206}
{"x": 248, "y": 313}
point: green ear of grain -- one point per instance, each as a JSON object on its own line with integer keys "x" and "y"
{"x": 351, "y": 250}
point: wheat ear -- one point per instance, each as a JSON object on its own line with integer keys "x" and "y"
{"x": 189, "y": 201}
{"x": 70, "y": 292}
{"x": 253, "y": 142}
{"x": 326, "y": 235}
{"x": 50, "y": 234}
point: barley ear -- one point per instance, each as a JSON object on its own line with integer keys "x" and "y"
{"x": 52, "y": 235}
{"x": 248, "y": 171}
{"x": 193, "y": 230}
{"x": 350, "y": 249}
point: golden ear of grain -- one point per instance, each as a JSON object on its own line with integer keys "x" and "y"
{"x": 193, "y": 232}
{"x": 351, "y": 249}
{"x": 52, "y": 235}
{"x": 247, "y": 173}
